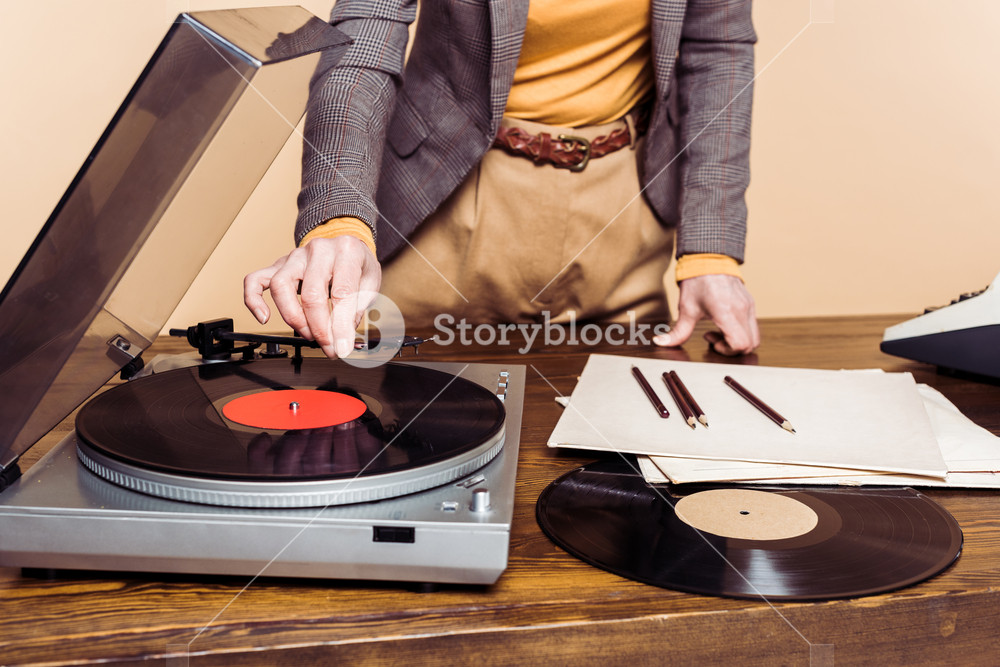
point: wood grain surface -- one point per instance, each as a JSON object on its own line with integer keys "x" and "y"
{"x": 548, "y": 607}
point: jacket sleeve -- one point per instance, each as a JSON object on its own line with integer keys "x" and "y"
{"x": 715, "y": 71}
{"x": 350, "y": 103}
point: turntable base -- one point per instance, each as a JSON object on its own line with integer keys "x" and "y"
{"x": 61, "y": 516}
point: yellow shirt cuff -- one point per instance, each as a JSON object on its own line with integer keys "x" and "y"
{"x": 342, "y": 227}
{"x": 703, "y": 264}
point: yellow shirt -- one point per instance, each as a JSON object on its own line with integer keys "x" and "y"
{"x": 583, "y": 62}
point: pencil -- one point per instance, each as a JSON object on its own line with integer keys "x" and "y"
{"x": 679, "y": 400}
{"x": 693, "y": 404}
{"x": 759, "y": 404}
{"x": 650, "y": 394}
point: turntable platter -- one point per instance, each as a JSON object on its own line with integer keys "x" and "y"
{"x": 169, "y": 435}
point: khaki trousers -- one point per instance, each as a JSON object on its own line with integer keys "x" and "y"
{"x": 519, "y": 242}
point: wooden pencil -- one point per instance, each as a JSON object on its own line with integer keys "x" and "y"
{"x": 686, "y": 394}
{"x": 759, "y": 404}
{"x": 650, "y": 394}
{"x": 679, "y": 400}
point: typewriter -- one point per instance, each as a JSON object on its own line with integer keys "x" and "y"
{"x": 963, "y": 335}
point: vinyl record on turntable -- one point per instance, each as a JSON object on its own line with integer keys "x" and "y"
{"x": 286, "y": 432}
{"x": 778, "y": 544}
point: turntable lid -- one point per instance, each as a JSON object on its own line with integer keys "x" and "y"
{"x": 196, "y": 133}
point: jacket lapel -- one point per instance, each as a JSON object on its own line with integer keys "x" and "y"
{"x": 667, "y": 23}
{"x": 508, "y": 19}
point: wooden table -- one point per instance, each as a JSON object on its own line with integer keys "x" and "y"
{"x": 548, "y": 607}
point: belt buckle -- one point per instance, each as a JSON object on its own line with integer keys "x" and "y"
{"x": 584, "y": 144}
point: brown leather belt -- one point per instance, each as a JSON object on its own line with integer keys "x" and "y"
{"x": 566, "y": 151}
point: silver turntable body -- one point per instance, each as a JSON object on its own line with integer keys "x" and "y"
{"x": 217, "y": 101}
{"x": 59, "y": 515}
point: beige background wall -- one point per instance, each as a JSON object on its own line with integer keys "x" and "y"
{"x": 874, "y": 160}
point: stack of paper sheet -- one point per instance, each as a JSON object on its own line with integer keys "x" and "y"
{"x": 852, "y": 427}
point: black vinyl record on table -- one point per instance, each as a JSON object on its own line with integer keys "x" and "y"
{"x": 172, "y": 422}
{"x": 864, "y": 541}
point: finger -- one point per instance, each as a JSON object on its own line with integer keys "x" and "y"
{"x": 733, "y": 340}
{"x": 315, "y": 297}
{"x": 729, "y": 342}
{"x": 739, "y": 332}
{"x": 679, "y": 333}
{"x": 371, "y": 282}
{"x": 754, "y": 328}
{"x": 719, "y": 344}
{"x": 736, "y": 336}
{"x": 254, "y": 286}
{"x": 284, "y": 290}
{"x": 344, "y": 296}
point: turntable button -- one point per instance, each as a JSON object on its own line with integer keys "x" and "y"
{"x": 472, "y": 481}
{"x": 481, "y": 500}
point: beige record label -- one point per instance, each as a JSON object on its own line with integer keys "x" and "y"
{"x": 746, "y": 514}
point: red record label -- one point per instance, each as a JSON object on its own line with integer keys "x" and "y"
{"x": 286, "y": 409}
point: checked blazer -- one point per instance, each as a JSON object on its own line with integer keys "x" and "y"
{"x": 389, "y": 137}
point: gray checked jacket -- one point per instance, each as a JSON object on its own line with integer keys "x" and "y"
{"x": 388, "y": 138}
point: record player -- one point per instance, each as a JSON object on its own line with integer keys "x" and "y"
{"x": 176, "y": 471}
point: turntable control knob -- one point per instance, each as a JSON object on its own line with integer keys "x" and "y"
{"x": 480, "y": 500}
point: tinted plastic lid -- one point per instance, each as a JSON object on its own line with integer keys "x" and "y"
{"x": 200, "y": 127}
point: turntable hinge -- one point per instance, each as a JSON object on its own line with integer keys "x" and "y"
{"x": 127, "y": 356}
{"x": 502, "y": 382}
{"x": 8, "y": 475}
